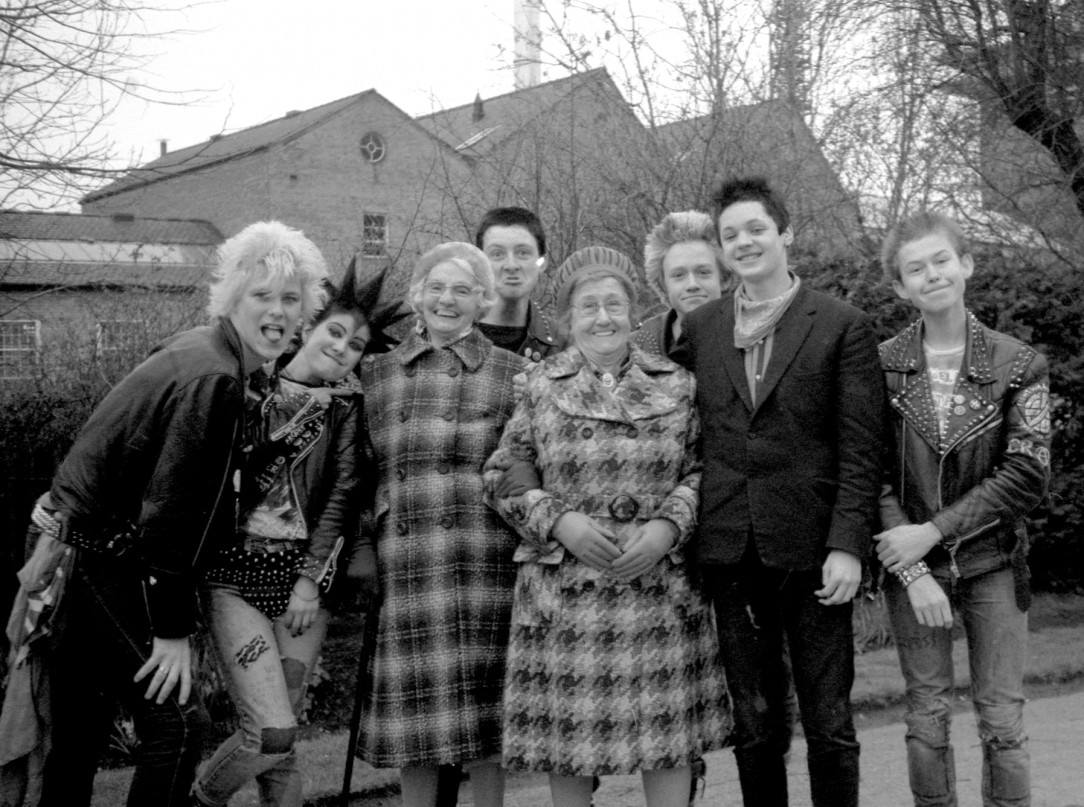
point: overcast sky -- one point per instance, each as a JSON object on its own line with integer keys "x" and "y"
{"x": 249, "y": 61}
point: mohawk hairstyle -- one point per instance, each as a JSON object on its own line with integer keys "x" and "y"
{"x": 364, "y": 302}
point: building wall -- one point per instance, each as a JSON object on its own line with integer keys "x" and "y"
{"x": 322, "y": 184}
{"x": 68, "y": 333}
{"x": 772, "y": 141}
{"x": 583, "y": 166}
{"x": 1021, "y": 179}
{"x": 229, "y": 196}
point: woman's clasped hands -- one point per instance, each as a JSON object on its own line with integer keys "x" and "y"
{"x": 591, "y": 543}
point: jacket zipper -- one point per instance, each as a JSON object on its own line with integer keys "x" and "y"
{"x": 330, "y": 564}
{"x": 974, "y": 432}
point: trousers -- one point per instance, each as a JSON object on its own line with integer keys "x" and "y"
{"x": 996, "y": 631}
{"x": 106, "y": 639}
{"x": 756, "y": 608}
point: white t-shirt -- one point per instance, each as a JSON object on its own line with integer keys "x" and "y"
{"x": 944, "y": 368}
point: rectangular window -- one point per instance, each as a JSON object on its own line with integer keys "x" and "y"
{"x": 20, "y": 344}
{"x": 120, "y": 338}
{"x": 374, "y": 234}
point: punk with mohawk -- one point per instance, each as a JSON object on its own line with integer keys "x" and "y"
{"x": 301, "y": 496}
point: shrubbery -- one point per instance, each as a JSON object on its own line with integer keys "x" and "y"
{"x": 1039, "y": 303}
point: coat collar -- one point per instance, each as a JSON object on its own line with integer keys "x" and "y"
{"x": 912, "y": 397}
{"x": 636, "y": 396}
{"x": 540, "y": 325}
{"x": 787, "y": 339}
{"x": 472, "y": 349}
{"x": 904, "y": 353}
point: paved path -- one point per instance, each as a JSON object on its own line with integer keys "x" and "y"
{"x": 1055, "y": 725}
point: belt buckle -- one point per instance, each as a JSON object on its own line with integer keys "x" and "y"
{"x": 623, "y": 507}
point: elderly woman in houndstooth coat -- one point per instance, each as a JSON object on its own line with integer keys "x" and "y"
{"x": 435, "y": 407}
{"x": 612, "y": 663}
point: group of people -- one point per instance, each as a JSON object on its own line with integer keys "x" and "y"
{"x": 588, "y": 545}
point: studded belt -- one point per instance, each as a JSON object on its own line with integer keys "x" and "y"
{"x": 104, "y": 541}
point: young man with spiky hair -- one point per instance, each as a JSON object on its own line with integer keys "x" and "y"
{"x": 790, "y": 398}
{"x": 683, "y": 265}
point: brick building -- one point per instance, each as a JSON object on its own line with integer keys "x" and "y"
{"x": 361, "y": 177}
{"x": 357, "y": 175}
{"x": 768, "y": 139}
{"x": 103, "y": 289}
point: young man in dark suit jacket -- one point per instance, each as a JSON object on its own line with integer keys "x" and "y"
{"x": 790, "y": 399}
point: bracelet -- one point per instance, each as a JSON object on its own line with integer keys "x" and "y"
{"x": 912, "y": 573}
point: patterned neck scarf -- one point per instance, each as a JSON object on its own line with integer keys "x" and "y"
{"x": 755, "y": 319}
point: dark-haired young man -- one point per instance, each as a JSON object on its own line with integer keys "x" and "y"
{"x": 790, "y": 398}
{"x": 515, "y": 243}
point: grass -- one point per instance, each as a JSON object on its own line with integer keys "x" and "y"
{"x": 1055, "y": 662}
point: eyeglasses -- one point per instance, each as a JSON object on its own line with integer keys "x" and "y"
{"x": 460, "y": 292}
{"x": 615, "y": 308}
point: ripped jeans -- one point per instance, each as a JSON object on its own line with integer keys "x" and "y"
{"x": 996, "y": 632}
{"x": 266, "y": 671}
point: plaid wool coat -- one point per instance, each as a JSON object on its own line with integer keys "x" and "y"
{"x": 444, "y": 558}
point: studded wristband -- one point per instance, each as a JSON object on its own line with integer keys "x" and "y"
{"x": 912, "y": 573}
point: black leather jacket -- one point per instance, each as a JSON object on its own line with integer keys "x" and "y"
{"x": 990, "y": 469}
{"x": 542, "y": 339}
{"x": 325, "y": 481}
{"x": 156, "y": 460}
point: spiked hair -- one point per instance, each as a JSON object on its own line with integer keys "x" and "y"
{"x": 363, "y": 303}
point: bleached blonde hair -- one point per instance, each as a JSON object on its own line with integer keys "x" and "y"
{"x": 267, "y": 250}
{"x": 678, "y": 228}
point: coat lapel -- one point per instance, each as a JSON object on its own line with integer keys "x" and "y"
{"x": 790, "y": 334}
{"x": 733, "y": 359}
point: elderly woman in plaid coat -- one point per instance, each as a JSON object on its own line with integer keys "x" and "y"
{"x": 436, "y": 407}
{"x": 612, "y": 663}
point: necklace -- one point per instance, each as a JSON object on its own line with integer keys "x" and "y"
{"x": 608, "y": 378}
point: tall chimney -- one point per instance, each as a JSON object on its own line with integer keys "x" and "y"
{"x": 162, "y": 148}
{"x": 528, "y": 44}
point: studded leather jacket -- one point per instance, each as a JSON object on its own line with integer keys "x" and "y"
{"x": 653, "y": 335}
{"x": 989, "y": 469}
{"x": 543, "y": 338}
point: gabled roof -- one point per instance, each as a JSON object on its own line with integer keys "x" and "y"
{"x": 74, "y": 250}
{"x": 33, "y": 225}
{"x": 221, "y": 148}
{"x": 692, "y": 131}
{"x": 505, "y": 115}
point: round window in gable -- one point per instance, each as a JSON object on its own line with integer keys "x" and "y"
{"x": 372, "y": 147}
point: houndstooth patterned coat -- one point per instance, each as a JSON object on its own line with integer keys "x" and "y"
{"x": 444, "y": 558}
{"x": 605, "y": 676}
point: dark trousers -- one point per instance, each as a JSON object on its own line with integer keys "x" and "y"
{"x": 756, "y": 607}
{"x": 106, "y": 638}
